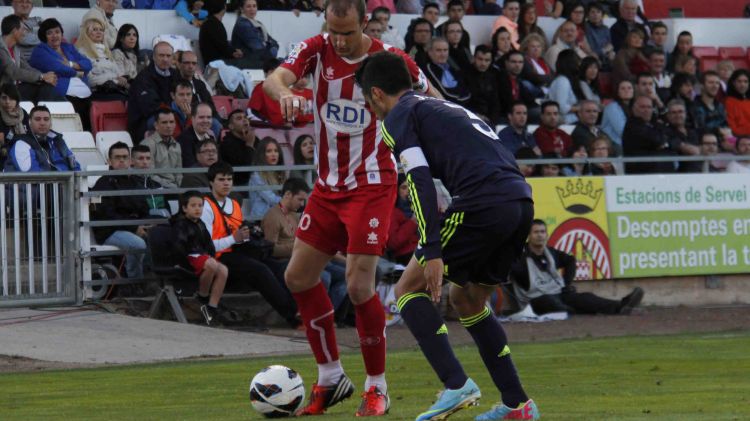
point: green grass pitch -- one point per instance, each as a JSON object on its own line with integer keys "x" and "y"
{"x": 693, "y": 377}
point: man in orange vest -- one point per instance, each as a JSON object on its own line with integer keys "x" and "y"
{"x": 222, "y": 216}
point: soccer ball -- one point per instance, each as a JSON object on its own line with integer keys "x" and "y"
{"x": 277, "y": 391}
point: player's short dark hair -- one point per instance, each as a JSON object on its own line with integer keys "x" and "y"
{"x": 140, "y": 149}
{"x": 115, "y": 146}
{"x": 185, "y": 197}
{"x": 538, "y": 222}
{"x": 453, "y": 3}
{"x": 430, "y": 5}
{"x": 383, "y": 70}
{"x": 295, "y": 185}
{"x": 341, "y": 7}
{"x": 10, "y": 24}
{"x": 546, "y": 104}
{"x": 483, "y": 49}
{"x": 219, "y": 167}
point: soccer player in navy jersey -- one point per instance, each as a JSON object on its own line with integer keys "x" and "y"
{"x": 473, "y": 245}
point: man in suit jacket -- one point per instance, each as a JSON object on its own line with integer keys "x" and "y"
{"x": 150, "y": 90}
{"x": 193, "y": 136}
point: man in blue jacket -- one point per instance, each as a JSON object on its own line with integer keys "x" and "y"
{"x": 42, "y": 149}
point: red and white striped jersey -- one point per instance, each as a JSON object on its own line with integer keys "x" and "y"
{"x": 351, "y": 151}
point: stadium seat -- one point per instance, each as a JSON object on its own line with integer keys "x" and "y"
{"x": 256, "y": 74}
{"x": 27, "y": 106}
{"x": 278, "y": 134}
{"x": 64, "y": 117}
{"x": 567, "y": 128}
{"x": 605, "y": 85}
{"x": 240, "y": 103}
{"x": 104, "y": 140}
{"x": 287, "y": 151}
{"x": 92, "y": 179}
{"x": 708, "y": 57}
{"x": 532, "y": 128}
{"x": 296, "y": 132}
{"x": 223, "y": 105}
{"x": 108, "y": 116}
{"x": 736, "y": 54}
{"x": 59, "y": 107}
{"x": 83, "y": 147}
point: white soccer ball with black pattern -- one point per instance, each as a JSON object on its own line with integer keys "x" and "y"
{"x": 277, "y": 391}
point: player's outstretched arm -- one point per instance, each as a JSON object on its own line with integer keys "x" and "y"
{"x": 277, "y": 86}
{"x": 434, "y": 93}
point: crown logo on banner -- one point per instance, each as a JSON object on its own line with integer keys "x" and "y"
{"x": 579, "y": 197}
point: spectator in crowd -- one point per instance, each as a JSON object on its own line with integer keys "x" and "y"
{"x": 304, "y": 154}
{"x": 537, "y": 280}
{"x": 165, "y": 150}
{"x": 22, "y": 9}
{"x": 516, "y": 135}
{"x": 106, "y": 79}
{"x": 140, "y": 159}
{"x": 280, "y": 222}
{"x": 192, "y": 137}
{"x": 687, "y": 64}
{"x": 598, "y": 36}
{"x": 483, "y": 85}
{"x": 388, "y": 5}
{"x": 565, "y": 89}
{"x": 150, "y": 90}
{"x": 207, "y": 154}
{"x": 682, "y": 139}
{"x": 626, "y": 23}
{"x": 408, "y": 7}
{"x": 489, "y": 8}
{"x": 658, "y": 40}
{"x": 586, "y": 129}
{"x": 512, "y": 88}
{"x": 41, "y": 149}
{"x": 630, "y": 60}
{"x": 238, "y": 146}
{"x": 527, "y": 23}
{"x": 742, "y": 148}
{"x": 683, "y": 88}
{"x": 268, "y": 153}
{"x": 724, "y": 68}
{"x": 550, "y": 138}
{"x": 33, "y": 85}
{"x": 642, "y": 138}
{"x": 263, "y": 107}
{"x": 251, "y": 36}
{"x": 548, "y": 169}
{"x": 182, "y": 105}
{"x": 616, "y": 114}
{"x": 390, "y": 34}
{"x": 601, "y": 147}
{"x": 682, "y": 48}
{"x": 645, "y": 85}
{"x": 71, "y": 67}
{"x": 373, "y": 29}
{"x": 738, "y": 102}
{"x": 14, "y": 121}
{"x": 501, "y": 45}
{"x": 578, "y": 16}
{"x": 577, "y": 169}
{"x": 458, "y": 53}
{"x": 192, "y": 11}
{"x": 402, "y": 233}
{"x": 417, "y": 40}
{"x": 126, "y": 52}
{"x": 566, "y": 40}
{"x": 535, "y": 69}
{"x": 223, "y": 218}
{"x": 657, "y": 64}
{"x": 447, "y": 79}
{"x": 187, "y": 63}
{"x": 709, "y": 114}
{"x": 194, "y": 243}
{"x": 509, "y": 21}
{"x": 103, "y": 12}
{"x": 528, "y": 170}
{"x": 131, "y": 238}
{"x": 213, "y": 39}
{"x": 709, "y": 147}
{"x": 456, "y": 12}
{"x": 431, "y": 12}
{"x": 588, "y": 75}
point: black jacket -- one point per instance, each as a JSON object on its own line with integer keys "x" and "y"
{"x": 619, "y": 30}
{"x": 189, "y": 145}
{"x": 506, "y": 93}
{"x": 118, "y": 207}
{"x": 642, "y": 139}
{"x": 235, "y": 152}
{"x": 214, "y": 41}
{"x": 192, "y": 237}
{"x": 484, "y": 93}
{"x": 520, "y": 271}
{"x": 459, "y": 94}
{"x": 148, "y": 91}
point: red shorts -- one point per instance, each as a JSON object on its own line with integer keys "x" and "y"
{"x": 198, "y": 262}
{"x": 355, "y": 222}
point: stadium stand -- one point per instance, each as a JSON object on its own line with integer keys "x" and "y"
{"x": 82, "y": 145}
{"x": 64, "y": 117}
{"x": 106, "y": 139}
{"x": 108, "y": 116}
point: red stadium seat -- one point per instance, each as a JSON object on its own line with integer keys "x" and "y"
{"x": 223, "y": 105}
{"x": 708, "y": 57}
{"x": 736, "y": 54}
{"x": 605, "y": 85}
{"x": 109, "y": 116}
{"x": 240, "y": 103}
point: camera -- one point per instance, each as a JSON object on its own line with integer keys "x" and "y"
{"x": 256, "y": 232}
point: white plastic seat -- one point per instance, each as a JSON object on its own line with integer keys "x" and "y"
{"x": 59, "y": 107}
{"x": 27, "y": 106}
{"x": 66, "y": 123}
{"x": 104, "y": 140}
{"x": 567, "y": 128}
{"x": 83, "y": 147}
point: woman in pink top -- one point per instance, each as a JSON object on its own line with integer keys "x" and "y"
{"x": 509, "y": 21}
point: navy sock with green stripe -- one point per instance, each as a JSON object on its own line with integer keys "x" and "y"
{"x": 429, "y": 329}
{"x": 490, "y": 338}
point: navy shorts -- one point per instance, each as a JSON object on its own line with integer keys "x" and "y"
{"x": 480, "y": 246}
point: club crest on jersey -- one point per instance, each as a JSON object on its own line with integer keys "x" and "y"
{"x": 295, "y": 52}
{"x": 345, "y": 116}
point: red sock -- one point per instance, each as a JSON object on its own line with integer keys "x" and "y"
{"x": 317, "y": 313}
{"x": 370, "y": 321}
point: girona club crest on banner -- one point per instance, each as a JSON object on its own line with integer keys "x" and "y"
{"x": 588, "y": 243}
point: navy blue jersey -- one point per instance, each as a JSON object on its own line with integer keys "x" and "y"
{"x": 433, "y": 138}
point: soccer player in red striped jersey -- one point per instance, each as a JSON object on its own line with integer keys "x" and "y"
{"x": 349, "y": 209}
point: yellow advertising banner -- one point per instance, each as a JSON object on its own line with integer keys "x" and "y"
{"x": 575, "y": 211}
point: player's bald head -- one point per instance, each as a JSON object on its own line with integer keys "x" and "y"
{"x": 341, "y": 7}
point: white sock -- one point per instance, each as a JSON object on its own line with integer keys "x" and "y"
{"x": 329, "y": 373}
{"x": 378, "y": 381}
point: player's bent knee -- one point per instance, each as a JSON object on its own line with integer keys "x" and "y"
{"x": 360, "y": 291}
